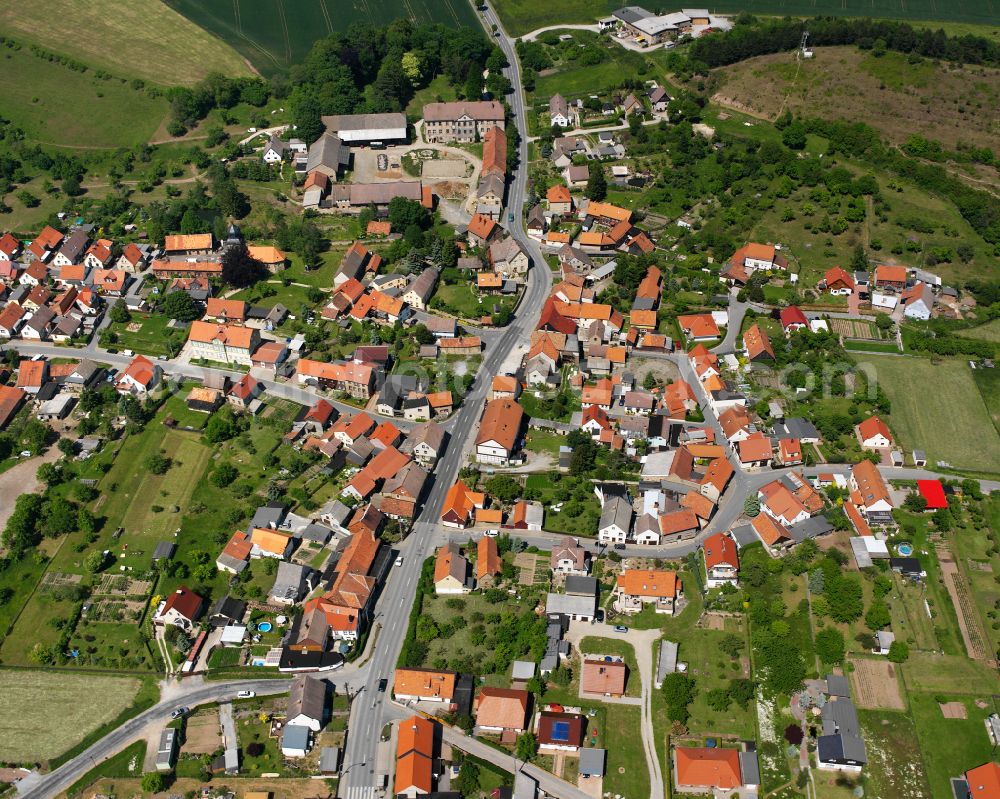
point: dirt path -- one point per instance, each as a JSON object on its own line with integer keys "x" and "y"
{"x": 22, "y": 479}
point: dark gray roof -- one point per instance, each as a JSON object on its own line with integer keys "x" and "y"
{"x": 74, "y": 245}
{"x": 592, "y": 762}
{"x": 268, "y": 516}
{"x": 796, "y": 427}
{"x": 837, "y": 748}
{"x": 229, "y": 607}
{"x": 328, "y": 151}
{"x": 837, "y": 685}
{"x": 329, "y": 759}
{"x": 581, "y": 586}
{"x": 810, "y": 528}
{"x": 316, "y": 532}
{"x": 744, "y": 534}
{"x": 749, "y": 768}
{"x": 631, "y": 14}
{"x": 164, "y": 550}
{"x": 616, "y": 510}
{"x": 307, "y": 697}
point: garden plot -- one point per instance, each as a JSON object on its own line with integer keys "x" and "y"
{"x": 856, "y": 329}
{"x": 874, "y": 684}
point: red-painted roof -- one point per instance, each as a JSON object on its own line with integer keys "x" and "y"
{"x": 933, "y": 492}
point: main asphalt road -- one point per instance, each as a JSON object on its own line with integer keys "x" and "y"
{"x": 369, "y": 712}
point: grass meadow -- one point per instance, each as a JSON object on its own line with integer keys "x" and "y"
{"x": 951, "y": 422}
{"x": 56, "y": 105}
{"x": 48, "y": 713}
{"x": 141, "y": 38}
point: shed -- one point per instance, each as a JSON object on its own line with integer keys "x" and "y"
{"x": 164, "y": 551}
{"x": 523, "y": 671}
{"x": 667, "y": 661}
{"x": 329, "y": 760}
{"x": 167, "y": 750}
{"x": 592, "y": 762}
{"x": 233, "y": 635}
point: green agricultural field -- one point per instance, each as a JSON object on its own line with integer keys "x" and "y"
{"x": 47, "y": 713}
{"x": 951, "y": 423}
{"x": 521, "y": 16}
{"x": 138, "y": 39}
{"x": 988, "y": 381}
{"x": 274, "y": 35}
{"x": 56, "y": 105}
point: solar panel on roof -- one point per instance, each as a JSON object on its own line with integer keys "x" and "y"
{"x": 560, "y": 731}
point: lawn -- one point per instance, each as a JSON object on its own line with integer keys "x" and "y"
{"x": 596, "y": 645}
{"x": 581, "y": 509}
{"x": 439, "y": 90}
{"x": 894, "y": 765}
{"x": 36, "y": 625}
{"x": 126, "y": 763}
{"x": 153, "y": 337}
{"x": 56, "y": 105}
{"x": 545, "y": 441}
{"x": 952, "y": 674}
{"x": 950, "y": 746}
{"x": 188, "y": 457}
{"x": 141, "y": 38}
{"x": 462, "y": 299}
{"x": 951, "y": 422}
{"x": 627, "y": 772}
{"x": 47, "y": 713}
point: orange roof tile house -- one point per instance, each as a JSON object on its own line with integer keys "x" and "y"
{"x": 636, "y": 588}
{"x": 502, "y": 710}
{"x": 706, "y": 769}
{"x": 603, "y": 677}
{"x": 722, "y": 561}
{"x": 424, "y": 685}
{"x": 873, "y": 433}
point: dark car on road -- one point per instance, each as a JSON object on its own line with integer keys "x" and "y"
{"x": 382, "y": 685}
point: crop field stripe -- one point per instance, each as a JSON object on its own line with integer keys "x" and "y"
{"x": 326, "y": 15}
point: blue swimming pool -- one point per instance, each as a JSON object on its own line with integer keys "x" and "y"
{"x": 264, "y": 626}
{"x": 905, "y": 550}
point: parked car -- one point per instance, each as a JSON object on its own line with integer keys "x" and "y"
{"x": 181, "y": 711}
{"x": 246, "y": 694}
{"x": 399, "y": 561}
{"x": 492, "y": 533}
{"x": 619, "y": 546}
{"x": 621, "y": 628}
